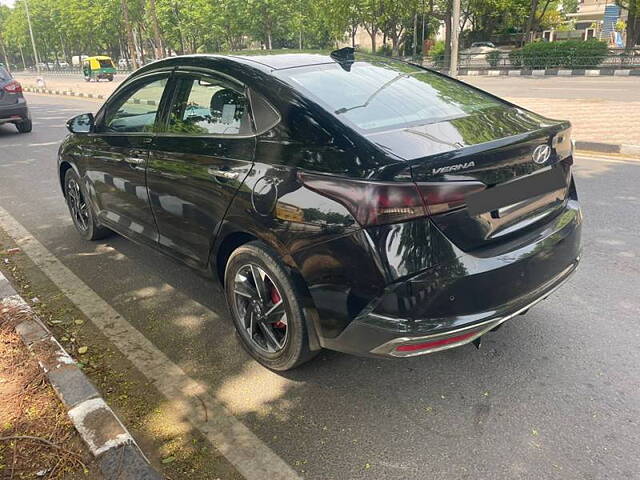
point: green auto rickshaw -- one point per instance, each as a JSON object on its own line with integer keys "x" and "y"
{"x": 98, "y": 67}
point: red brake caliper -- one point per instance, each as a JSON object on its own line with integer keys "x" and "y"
{"x": 275, "y": 298}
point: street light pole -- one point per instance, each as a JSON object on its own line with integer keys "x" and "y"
{"x": 455, "y": 25}
{"x": 33, "y": 41}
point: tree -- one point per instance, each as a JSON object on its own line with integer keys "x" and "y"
{"x": 397, "y": 18}
{"x": 633, "y": 21}
{"x": 370, "y": 12}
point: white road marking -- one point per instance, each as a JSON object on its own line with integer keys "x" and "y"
{"x": 246, "y": 452}
{"x": 43, "y": 144}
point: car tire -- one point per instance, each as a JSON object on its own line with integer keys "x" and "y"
{"x": 80, "y": 208}
{"x": 110, "y": 78}
{"x": 24, "y": 126}
{"x": 288, "y": 344}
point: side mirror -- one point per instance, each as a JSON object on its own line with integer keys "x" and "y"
{"x": 82, "y": 123}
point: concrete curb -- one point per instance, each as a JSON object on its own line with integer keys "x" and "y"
{"x": 550, "y": 72}
{"x": 117, "y": 453}
{"x": 66, "y": 93}
{"x": 608, "y": 148}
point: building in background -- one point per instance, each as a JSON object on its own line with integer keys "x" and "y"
{"x": 598, "y": 19}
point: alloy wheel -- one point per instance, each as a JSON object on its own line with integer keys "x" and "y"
{"x": 260, "y": 308}
{"x": 77, "y": 205}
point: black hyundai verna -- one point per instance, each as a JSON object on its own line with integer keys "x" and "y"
{"x": 345, "y": 202}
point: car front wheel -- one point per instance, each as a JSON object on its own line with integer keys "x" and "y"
{"x": 266, "y": 308}
{"x": 80, "y": 208}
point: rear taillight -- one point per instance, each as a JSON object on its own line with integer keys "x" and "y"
{"x": 381, "y": 203}
{"x": 13, "y": 87}
{"x": 371, "y": 203}
{"x": 441, "y": 197}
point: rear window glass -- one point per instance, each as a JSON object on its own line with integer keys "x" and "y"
{"x": 380, "y": 96}
{"x": 4, "y": 74}
{"x": 105, "y": 63}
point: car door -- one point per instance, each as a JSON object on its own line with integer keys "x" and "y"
{"x": 198, "y": 162}
{"x": 116, "y": 158}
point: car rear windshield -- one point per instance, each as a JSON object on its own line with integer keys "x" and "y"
{"x": 375, "y": 96}
{"x": 4, "y": 74}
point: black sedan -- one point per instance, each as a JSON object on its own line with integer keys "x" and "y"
{"x": 13, "y": 106}
{"x": 352, "y": 203}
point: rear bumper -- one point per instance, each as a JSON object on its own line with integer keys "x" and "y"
{"x": 14, "y": 113}
{"x": 454, "y": 304}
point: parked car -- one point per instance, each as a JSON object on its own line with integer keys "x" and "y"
{"x": 346, "y": 202}
{"x": 13, "y": 106}
{"x": 483, "y": 44}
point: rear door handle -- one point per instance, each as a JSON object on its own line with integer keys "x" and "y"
{"x": 226, "y": 174}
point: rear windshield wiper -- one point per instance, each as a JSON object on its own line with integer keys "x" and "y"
{"x": 342, "y": 110}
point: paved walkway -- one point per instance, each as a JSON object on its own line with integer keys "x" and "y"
{"x": 593, "y": 120}
{"x": 601, "y": 110}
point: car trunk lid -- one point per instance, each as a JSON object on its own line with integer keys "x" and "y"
{"x": 489, "y": 155}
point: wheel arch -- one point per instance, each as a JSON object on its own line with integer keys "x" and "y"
{"x": 64, "y": 166}
{"x": 229, "y": 239}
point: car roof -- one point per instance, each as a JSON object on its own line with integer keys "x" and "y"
{"x": 286, "y": 60}
{"x": 265, "y": 62}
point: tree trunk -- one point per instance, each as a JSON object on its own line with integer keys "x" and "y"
{"x": 64, "y": 50}
{"x": 395, "y": 48}
{"x": 24, "y": 64}
{"x": 268, "y": 38}
{"x": 373, "y": 33}
{"x": 4, "y": 54}
{"x": 159, "y": 48}
{"x": 633, "y": 27}
{"x": 300, "y": 39}
{"x": 447, "y": 38}
{"x": 532, "y": 17}
{"x": 130, "y": 37}
{"x": 415, "y": 34}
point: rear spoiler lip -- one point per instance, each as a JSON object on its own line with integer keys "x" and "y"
{"x": 468, "y": 150}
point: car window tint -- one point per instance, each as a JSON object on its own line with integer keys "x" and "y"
{"x": 137, "y": 110}
{"x": 4, "y": 74}
{"x": 207, "y": 106}
{"x": 377, "y": 96}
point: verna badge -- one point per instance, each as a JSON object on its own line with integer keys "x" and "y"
{"x": 541, "y": 154}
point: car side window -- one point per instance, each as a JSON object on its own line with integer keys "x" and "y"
{"x": 265, "y": 116}
{"x": 205, "y": 105}
{"x": 136, "y": 110}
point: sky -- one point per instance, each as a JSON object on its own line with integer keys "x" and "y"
{"x": 7, "y": 2}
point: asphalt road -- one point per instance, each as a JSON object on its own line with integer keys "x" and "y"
{"x": 553, "y": 394}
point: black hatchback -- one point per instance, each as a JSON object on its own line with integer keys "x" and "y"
{"x": 346, "y": 202}
{"x": 13, "y": 106}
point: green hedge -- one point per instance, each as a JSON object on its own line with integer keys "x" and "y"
{"x": 437, "y": 53}
{"x": 569, "y": 54}
{"x": 493, "y": 58}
